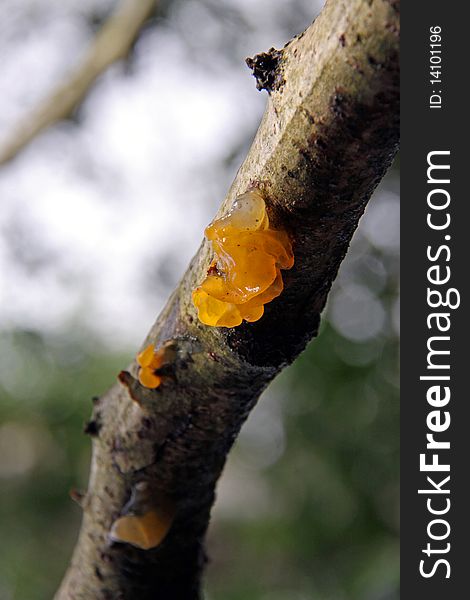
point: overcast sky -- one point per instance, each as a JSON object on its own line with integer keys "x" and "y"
{"x": 100, "y": 216}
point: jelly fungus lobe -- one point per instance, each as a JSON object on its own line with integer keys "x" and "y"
{"x": 246, "y": 271}
{"x": 149, "y": 361}
{"x": 145, "y": 532}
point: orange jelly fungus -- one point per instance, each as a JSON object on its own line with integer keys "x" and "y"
{"x": 246, "y": 272}
{"x": 145, "y": 532}
{"x": 149, "y": 361}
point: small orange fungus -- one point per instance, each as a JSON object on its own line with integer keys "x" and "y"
{"x": 150, "y": 360}
{"x": 145, "y": 532}
{"x": 246, "y": 272}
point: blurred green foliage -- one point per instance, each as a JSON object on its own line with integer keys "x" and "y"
{"x": 329, "y": 528}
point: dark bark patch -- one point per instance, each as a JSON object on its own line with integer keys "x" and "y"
{"x": 92, "y": 428}
{"x": 375, "y": 64}
{"x": 395, "y": 5}
{"x": 267, "y": 70}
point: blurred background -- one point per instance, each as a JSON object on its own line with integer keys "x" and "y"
{"x": 99, "y": 216}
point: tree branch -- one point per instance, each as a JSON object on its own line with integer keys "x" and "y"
{"x": 329, "y": 132}
{"x": 112, "y": 43}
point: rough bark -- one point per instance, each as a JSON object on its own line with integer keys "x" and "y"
{"x": 329, "y": 132}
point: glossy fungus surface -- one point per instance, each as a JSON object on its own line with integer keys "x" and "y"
{"x": 142, "y": 531}
{"x": 149, "y": 361}
{"x": 246, "y": 272}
